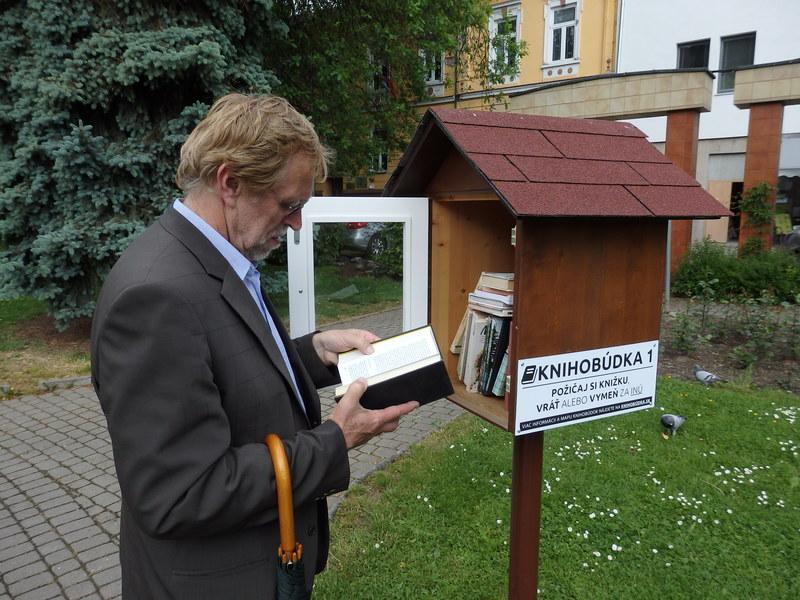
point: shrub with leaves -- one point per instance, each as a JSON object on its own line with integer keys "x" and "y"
{"x": 709, "y": 270}
{"x": 390, "y": 261}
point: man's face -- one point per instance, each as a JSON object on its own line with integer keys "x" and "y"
{"x": 258, "y": 221}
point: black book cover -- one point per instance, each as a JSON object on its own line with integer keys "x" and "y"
{"x": 497, "y": 358}
{"x": 404, "y": 367}
{"x": 423, "y": 385}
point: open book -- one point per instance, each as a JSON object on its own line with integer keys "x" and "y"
{"x": 403, "y": 367}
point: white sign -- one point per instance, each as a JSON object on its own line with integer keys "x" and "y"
{"x": 553, "y": 391}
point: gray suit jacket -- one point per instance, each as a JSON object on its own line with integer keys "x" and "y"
{"x": 191, "y": 381}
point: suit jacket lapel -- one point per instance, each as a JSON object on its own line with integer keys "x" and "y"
{"x": 233, "y": 289}
{"x": 236, "y": 294}
{"x": 307, "y": 387}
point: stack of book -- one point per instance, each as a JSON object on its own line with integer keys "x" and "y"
{"x": 483, "y": 337}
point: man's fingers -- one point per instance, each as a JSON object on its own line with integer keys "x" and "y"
{"x": 355, "y": 390}
{"x": 393, "y": 413}
{"x": 362, "y": 340}
{"x": 390, "y": 426}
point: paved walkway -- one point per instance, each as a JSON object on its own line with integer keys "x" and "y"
{"x": 59, "y": 497}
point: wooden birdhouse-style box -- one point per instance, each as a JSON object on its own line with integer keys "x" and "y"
{"x": 590, "y": 201}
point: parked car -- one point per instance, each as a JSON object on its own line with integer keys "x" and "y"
{"x": 365, "y": 238}
{"x": 792, "y": 241}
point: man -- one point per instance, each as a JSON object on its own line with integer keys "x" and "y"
{"x": 193, "y": 369}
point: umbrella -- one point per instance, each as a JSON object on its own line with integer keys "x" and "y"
{"x": 291, "y": 571}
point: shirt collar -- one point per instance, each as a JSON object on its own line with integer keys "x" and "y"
{"x": 240, "y": 264}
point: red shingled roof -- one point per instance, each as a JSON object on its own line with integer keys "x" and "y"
{"x": 553, "y": 166}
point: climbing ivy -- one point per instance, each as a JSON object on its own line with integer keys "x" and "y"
{"x": 756, "y": 205}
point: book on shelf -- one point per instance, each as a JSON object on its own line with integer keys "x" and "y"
{"x": 497, "y": 280}
{"x": 502, "y": 299}
{"x": 499, "y": 387}
{"x": 464, "y": 345}
{"x": 500, "y": 331}
{"x": 489, "y": 353}
{"x": 498, "y": 311}
{"x": 403, "y": 367}
{"x": 458, "y": 340}
{"x": 491, "y": 290}
{"x": 473, "y": 349}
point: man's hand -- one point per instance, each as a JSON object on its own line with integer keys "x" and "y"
{"x": 329, "y": 344}
{"x": 358, "y": 424}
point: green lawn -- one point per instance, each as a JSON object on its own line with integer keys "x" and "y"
{"x": 341, "y": 297}
{"x": 11, "y": 313}
{"x": 712, "y": 513}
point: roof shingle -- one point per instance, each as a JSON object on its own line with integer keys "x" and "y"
{"x": 501, "y": 140}
{"x": 569, "y": 170}
{"x": 538, "y": 122}
{"x": 555, "y": 167}
{"x": 570, "y": 199}
{"x": 604, "y": 147}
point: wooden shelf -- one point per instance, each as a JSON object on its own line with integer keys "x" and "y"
{"x": 489, "y": 408}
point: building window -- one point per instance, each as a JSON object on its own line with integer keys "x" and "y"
{"x": 380, "y": 78}
{"x": 380, "y": 160}
{"x": 434, "y": 67}
{"x": 504, "y": 46}
{"x": 693, "y": 55}
{"x": 736, "y": 51}
{"x": 433, "y": 72}
{"x": 561, "y": 40}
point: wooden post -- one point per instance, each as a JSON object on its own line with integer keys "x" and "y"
{"x": 581, "y": 284}
{"x": 526, "y": 506}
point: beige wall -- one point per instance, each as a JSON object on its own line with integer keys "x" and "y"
{"x": 620, "y": 97}
{"x": 717, "y": 229}
{"x": 777, "y": 83}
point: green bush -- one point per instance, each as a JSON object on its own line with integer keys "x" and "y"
{"x": 390, "y": 261}
{"x": 708, "y": 269}
{"x": 328, "y": 240}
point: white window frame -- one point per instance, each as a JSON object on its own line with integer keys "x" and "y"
{"x": 430, "y": 74}
{"x": 412, "y": 212}
{"x": 501, "y": 12}
{"x": 380, "y": 160}
{"x": 549, "y": 18}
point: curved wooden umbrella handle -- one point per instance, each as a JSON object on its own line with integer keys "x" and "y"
{"x": 283, "y": 483}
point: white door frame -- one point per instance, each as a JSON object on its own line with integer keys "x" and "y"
{"x": 412, "y": 212}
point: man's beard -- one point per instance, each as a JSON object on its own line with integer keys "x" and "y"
{"x": 257, "y": 254}
{"x": 260, "y": 251}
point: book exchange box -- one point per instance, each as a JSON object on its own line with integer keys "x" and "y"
{"x": 578, "y": 212}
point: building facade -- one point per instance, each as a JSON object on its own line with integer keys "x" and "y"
{"x": 564, "y": 46}
{"x": 560, "y": 40}
{"x": 719, "y": 36}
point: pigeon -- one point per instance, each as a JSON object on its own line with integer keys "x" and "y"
{"x": 705, "y": 377}
{"x": 672, "y": 423}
